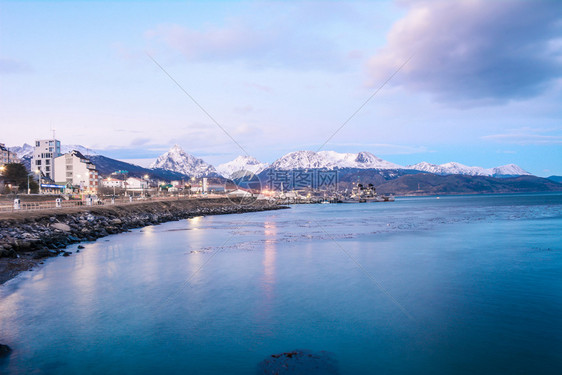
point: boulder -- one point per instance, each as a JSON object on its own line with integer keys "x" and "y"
{"x": 61, "y": 226}
{"x": 300, "y": 362}
{"x": 5, "y": 350}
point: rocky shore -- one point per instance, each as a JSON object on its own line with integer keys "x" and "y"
{"x": 28, "y": 237}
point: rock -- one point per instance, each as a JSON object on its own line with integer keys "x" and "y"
{"x": 300, "y": 362}
{"x": 61, "y": 226}
{"x": 66, "y": 253}
{"x": 8, "y": 253}
{"x": 44, "y": 253}
{"x": 5, "y": 350}
{"x": 80, "y": 247}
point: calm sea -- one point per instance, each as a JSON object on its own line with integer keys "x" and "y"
{"x": 456, "y": 285}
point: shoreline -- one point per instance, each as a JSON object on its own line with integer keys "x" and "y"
{"x": 27, "y": 238}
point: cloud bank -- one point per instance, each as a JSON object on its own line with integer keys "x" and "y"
{"x": 474, "y": 52}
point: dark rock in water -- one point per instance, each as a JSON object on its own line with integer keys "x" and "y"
{"x": 297, "y": 362}
{"x": 44, "y": 253}
{"x": 80, "y": 246}
{"x": 66, "y": 253}
{"x": 5, "y": 350}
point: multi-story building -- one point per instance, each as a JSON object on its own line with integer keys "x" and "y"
{"x": 6, "y": 156}
{"x": 44, "y": 155}
{"x": 74, "y": 169}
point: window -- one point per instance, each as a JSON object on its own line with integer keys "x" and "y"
{"x": 47, "y": 162}
{"x": 47, "y": 169}
{"x": 37, "y": 143}
{"x": 37, "y": 162}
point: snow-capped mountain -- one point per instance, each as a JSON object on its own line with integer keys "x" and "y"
{"x": 457, "y": 168}
{"x": 331, "y": 160}
{"x": 508, "y": 170}
{"x": 177, "y": 160}
{"x": 241, "y": 163}
{"x": 22, "y": 151}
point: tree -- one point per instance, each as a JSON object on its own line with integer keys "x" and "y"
{"x": 16, "y": 175}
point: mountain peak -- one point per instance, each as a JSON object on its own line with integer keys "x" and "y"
{"x": 241, "y": 163}
{"x": 177, "y": 160}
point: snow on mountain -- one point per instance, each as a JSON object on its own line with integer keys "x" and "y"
{"x": 177, "y": 160}
{"x": 83, "y": 150}
{"x": 331, "y": 160}
{"x": 241, "y": 163}
{"x": 509, "y": 170}
{"x": 27, "y": 150}
{"x": 22, "y": 151}
{"x": 457, "y": 168}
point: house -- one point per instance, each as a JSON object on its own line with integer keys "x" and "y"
{"x": 7, "y": 156}
{"x": 44, "y": 154}
{"x": 136, "y": 184}
{"x": 75, "y": 170}
{"x": 112, "y": 182}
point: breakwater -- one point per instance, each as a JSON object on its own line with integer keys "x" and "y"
{"x": 28, "y": 237}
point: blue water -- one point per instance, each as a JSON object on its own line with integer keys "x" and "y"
{"x": 456, "y": 285}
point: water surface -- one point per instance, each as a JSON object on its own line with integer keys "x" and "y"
{"x": 457, "y": 285}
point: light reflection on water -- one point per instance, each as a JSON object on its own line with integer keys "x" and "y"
{"x": 216, "y": 295}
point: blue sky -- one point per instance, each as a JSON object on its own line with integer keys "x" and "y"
{"x": 483, "y": 85}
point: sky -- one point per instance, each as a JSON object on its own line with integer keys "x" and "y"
{"x": 478, "y": 82}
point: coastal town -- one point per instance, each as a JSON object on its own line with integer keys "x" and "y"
{"x": 72, "y": 179}
{"x": 73, "y": 174}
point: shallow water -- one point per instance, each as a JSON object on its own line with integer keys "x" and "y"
{"x": 457, "y": 285}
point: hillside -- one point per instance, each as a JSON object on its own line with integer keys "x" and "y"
{"x": 106, "y": 166}
{"x": 429, "y": 184}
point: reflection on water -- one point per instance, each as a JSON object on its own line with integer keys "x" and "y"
{"x": 217, "y": 295}
{"x": 268, "y": 279}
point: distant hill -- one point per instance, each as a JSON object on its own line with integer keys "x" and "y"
{"x": 106, "y": 166}
{"x": 555, "y": 178}
{"x": 431, "y": 184}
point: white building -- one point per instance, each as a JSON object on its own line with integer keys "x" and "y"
{"x": 76, "y": 170}
{"x": 113, "y": 183}
{"x": 136, "y": 184}
{"x": 44, "y": 154}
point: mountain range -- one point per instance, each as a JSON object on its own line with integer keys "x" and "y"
{"x": 508, "y": 170}
{"x": 352, "y": 168}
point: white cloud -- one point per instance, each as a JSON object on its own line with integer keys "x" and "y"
{"x": 474, "y": 52}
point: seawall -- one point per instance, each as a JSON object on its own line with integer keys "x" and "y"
{"x": 28, "y": 237}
